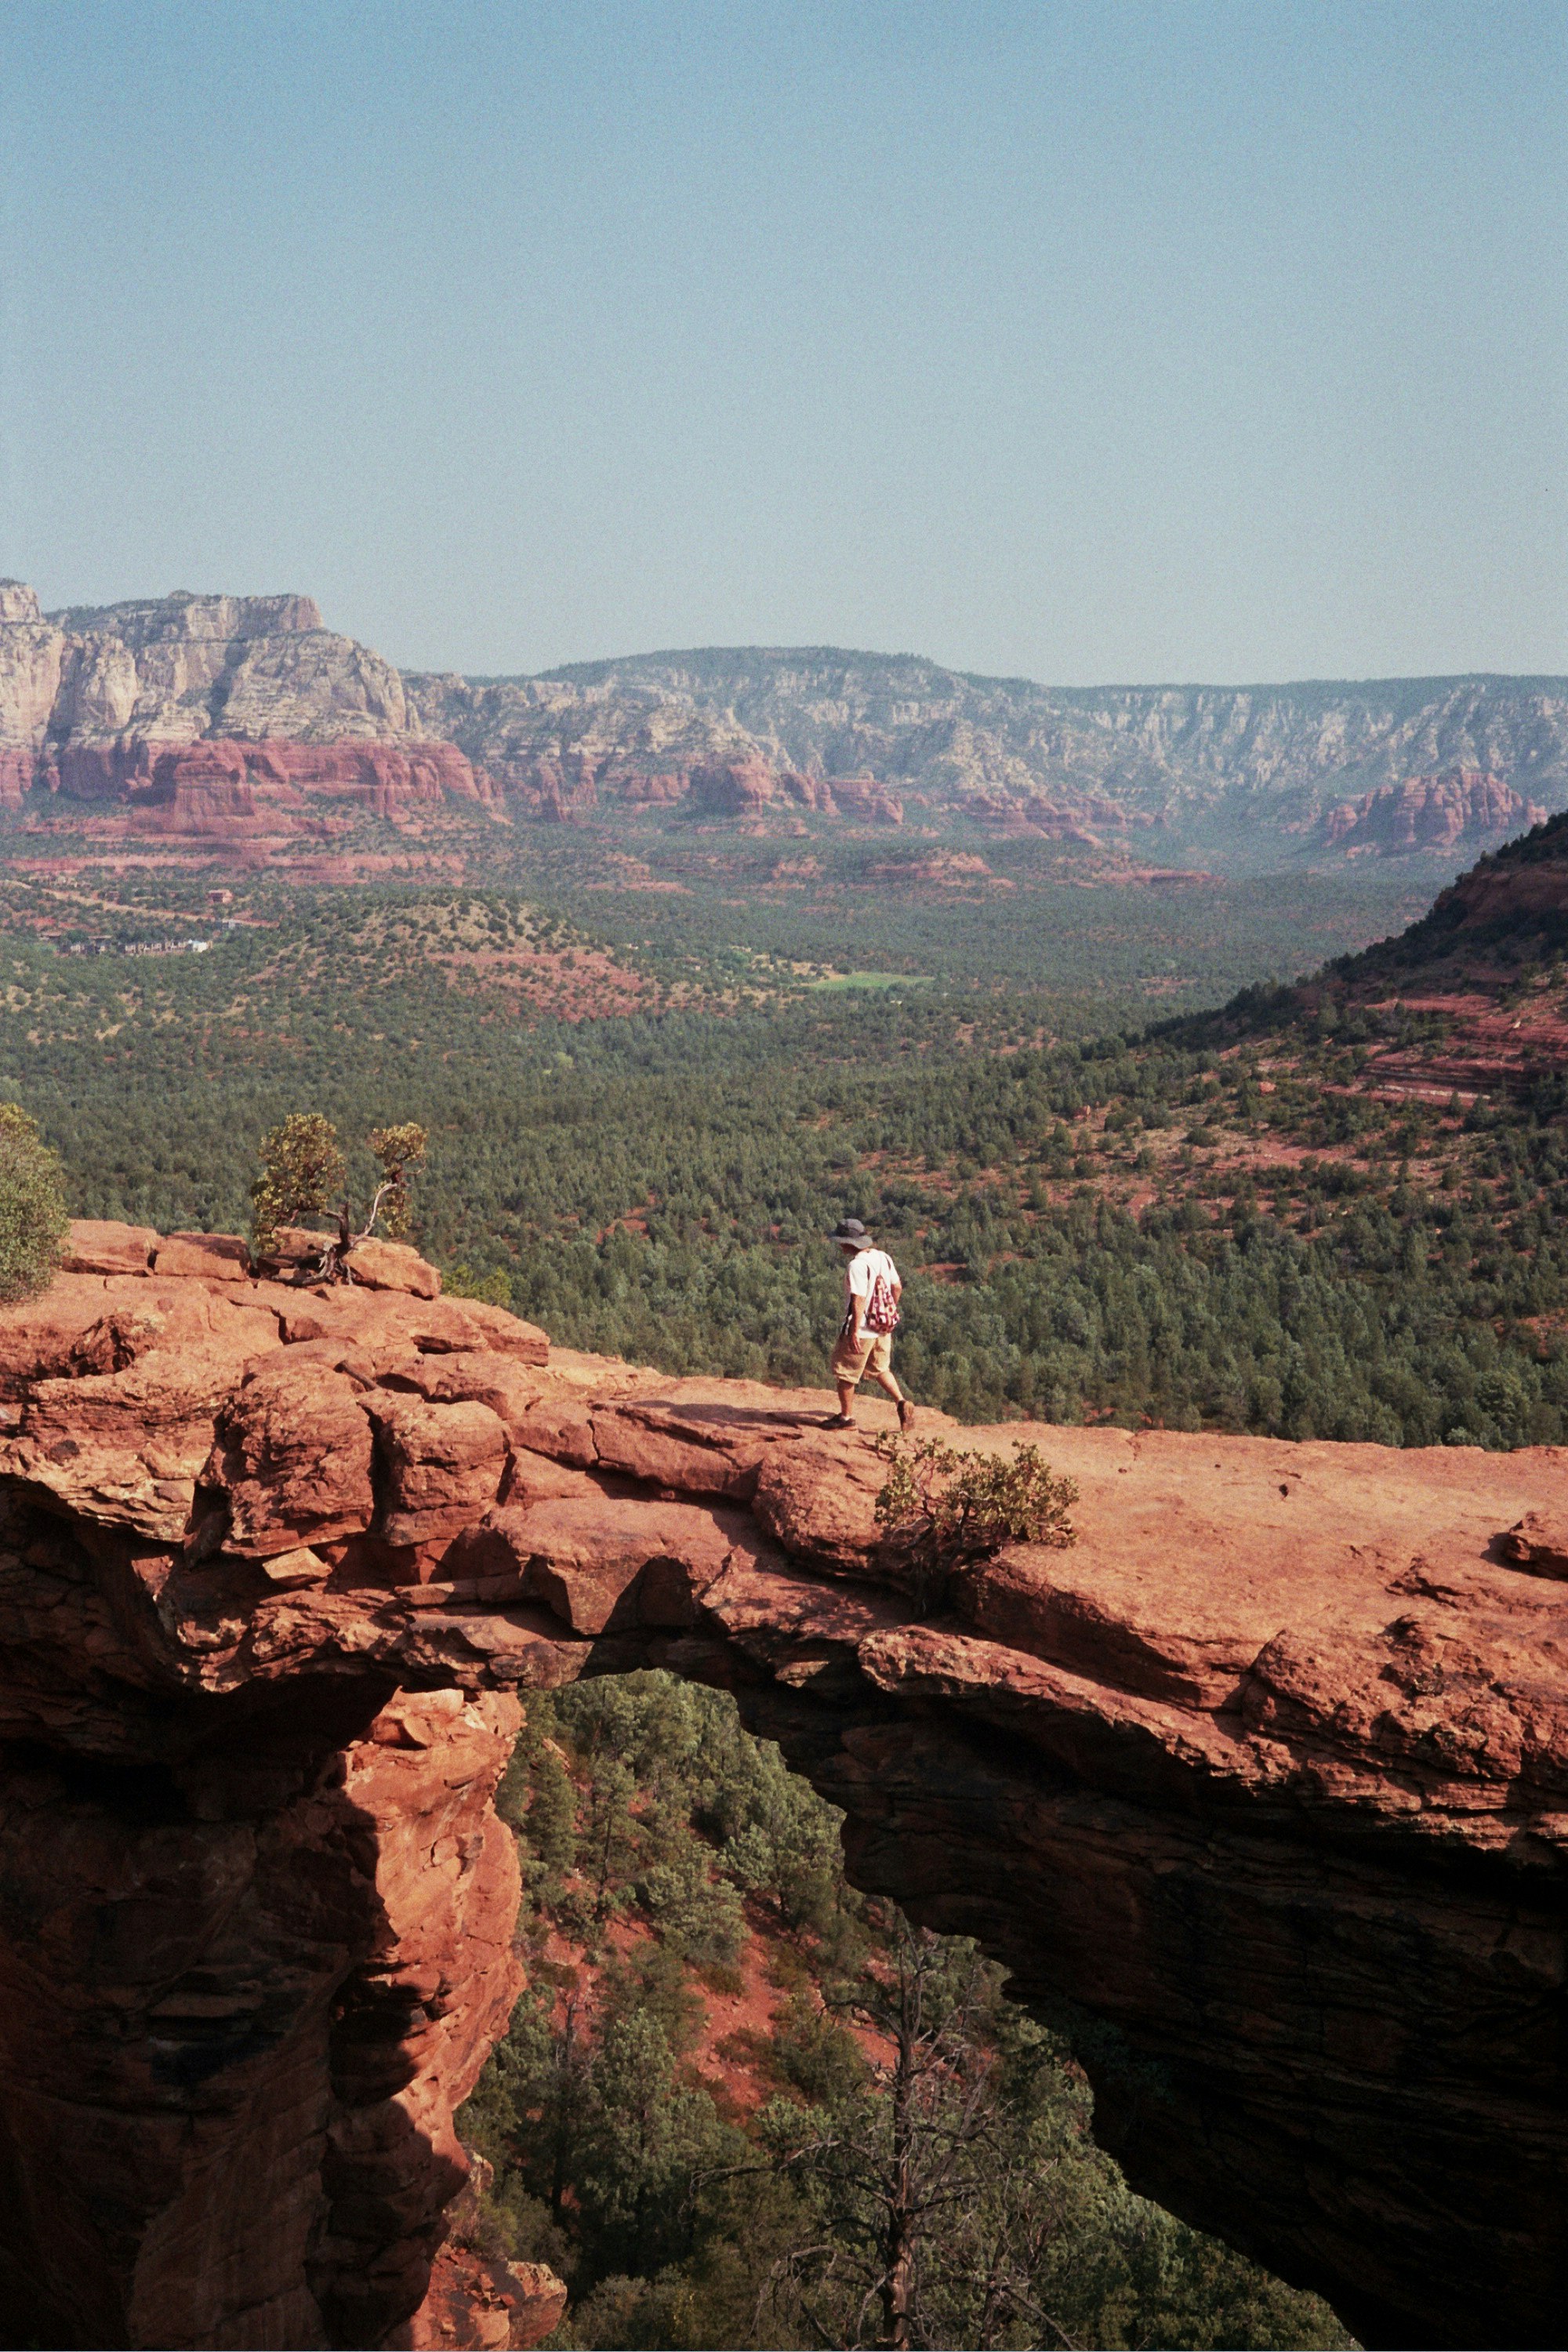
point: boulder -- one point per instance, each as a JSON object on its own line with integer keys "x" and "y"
{"x": 648, "y": 1441}
{"x": 541, "y": 1478}
{"x": 602, "y": 1562}
{"x": 288, "y": 1569}
{"x": 1538, "y": 1543}
{"x": 117, "y": 1339}
{"x": 212, "y": 1257}
{"x": 443, "y": 1463}
{"x": 469, "y": 1376}
{"x": 394, "y": 1265}
{"x": 101, "y": 1245}
{"x": 126, "y": 1447}
{"x": 48, "y": 1335}
{"x": 482, "y": 2302}
{"x": 563, "y": 1430}
{"x": 819, "y": 1500}
{"x": 293, "y": 1457}
{"x": 294, "y": 1246}
{"x": 507, "y": 1333}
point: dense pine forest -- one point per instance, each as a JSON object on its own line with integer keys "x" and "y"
{"x": 1128, "y": 1176}
{"x": 741, "y": 2105}
{"x": 1202, "y": 1223}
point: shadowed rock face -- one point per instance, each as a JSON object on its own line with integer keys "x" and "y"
{"x": 1260, "y": 1785}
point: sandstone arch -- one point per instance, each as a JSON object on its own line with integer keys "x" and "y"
{"x": 1262, "y": 1782}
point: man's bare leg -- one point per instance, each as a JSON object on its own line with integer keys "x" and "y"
{"x": 890, "y": 1387}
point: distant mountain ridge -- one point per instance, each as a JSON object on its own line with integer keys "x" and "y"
{"x": 108, "y": 704}
{"x": 211, "y": 719}
{"x": 1195, "y": 759}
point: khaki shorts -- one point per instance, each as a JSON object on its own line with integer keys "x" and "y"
{"x": 853, "y": 1359}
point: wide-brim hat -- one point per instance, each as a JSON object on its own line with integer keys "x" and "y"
{"x": 849, "y": 1229}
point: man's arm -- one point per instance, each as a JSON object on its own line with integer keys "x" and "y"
{"x": 860, "y": 1299}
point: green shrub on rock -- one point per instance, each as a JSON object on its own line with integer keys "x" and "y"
{"x": 32, "y": 1207}
{"x": 302, "y": 1166}
{"x": 941, "y": 1510}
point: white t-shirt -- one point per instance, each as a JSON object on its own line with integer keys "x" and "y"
{"x": 860, "y": 1273}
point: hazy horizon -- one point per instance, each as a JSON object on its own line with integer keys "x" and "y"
{"x": 852, "y": 652}
{"x": 1096, "y": 342}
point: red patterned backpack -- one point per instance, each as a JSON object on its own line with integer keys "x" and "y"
{"x": 882, "y": 1307}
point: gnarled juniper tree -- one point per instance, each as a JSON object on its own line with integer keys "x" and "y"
{"x": 303, "y": 1165}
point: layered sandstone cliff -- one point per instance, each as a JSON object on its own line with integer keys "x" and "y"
{"x": 1430, "y": 813}
{"x": 100, "y": 702}
{"x": 211, "y": 715}
{"x": 1198, "y": 760}
{"x": 1261, "y": 1785}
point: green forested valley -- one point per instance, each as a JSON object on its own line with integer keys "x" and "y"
{"x": 729, "y": 2069}
{"x": 1127, "y": 1176}
{"x": 1199, "y": 1224}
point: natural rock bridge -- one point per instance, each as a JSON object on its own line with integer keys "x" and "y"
{"x": 1261, "y": 1785}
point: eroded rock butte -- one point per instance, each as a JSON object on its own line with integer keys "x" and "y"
{"x": 1260, "y": 1785}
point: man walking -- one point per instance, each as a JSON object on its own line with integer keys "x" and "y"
{"x": 865, "y": 1343}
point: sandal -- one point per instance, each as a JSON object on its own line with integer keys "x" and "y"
{"x": 840, "y": 1420}
{"x": 905, "y": 1413}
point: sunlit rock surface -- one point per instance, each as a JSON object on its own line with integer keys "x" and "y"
{"x": 201, "y": 722}
{"x": 1260, "y": 1785}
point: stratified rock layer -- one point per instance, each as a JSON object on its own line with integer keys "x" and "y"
{"x": 163, "y": 704}
{"x": 213, "y": 720}
{"x": 1260, "y": 1785}
{"x": 1430, "y": 813}
{"x": 1063, "y": 762}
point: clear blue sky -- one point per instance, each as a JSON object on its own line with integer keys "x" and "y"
{"x": 1214, "y": 339}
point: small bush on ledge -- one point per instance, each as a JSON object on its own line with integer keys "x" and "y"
{"x": 944, "y": 1509}
{"x": 493, "y": 1289}
{"x": 32, "y": 1207}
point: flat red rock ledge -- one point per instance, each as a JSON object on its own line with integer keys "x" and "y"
{"x": 1268, "y": 1774}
